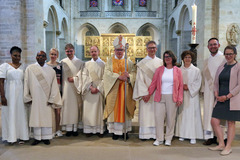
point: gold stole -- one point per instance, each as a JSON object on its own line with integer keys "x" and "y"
{"x": 41, "y": 79}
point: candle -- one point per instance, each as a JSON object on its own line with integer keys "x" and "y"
{"x": 194, "y": 24}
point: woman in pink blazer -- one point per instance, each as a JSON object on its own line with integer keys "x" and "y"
{"x": 167, "y": 84}
{"x": 227, "y": 93}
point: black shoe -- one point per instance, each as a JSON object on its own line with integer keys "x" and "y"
{"x": 115, "y": 137}
{"x": 68, "y": 134}
{"x": 143, "y": 140}
{"x": 225, "y": 141}
{"x": 75, "y": 134}
{"x": 127, "y": 137}
{"x": 46, "y": 141}
{"x": 100, "y": 135}
{"x": 89, "y": 134}
{"x": 211, "y": 141}
{"x": 35, "y": 142}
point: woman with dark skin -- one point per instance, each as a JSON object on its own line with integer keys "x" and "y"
{"x": 14, "y": 114}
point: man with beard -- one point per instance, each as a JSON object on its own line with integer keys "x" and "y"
{"x": 210, "y": 67}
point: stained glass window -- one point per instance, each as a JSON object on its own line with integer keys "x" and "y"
{"x": 118, "y": 2}
{"x": 142, "y": 3}
{"x": 93, "y": 3}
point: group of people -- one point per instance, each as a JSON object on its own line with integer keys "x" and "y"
{"x": 52, "y": 97}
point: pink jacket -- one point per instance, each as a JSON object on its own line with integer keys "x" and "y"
{"x": 157, "y": 84}
{"x": 234, "y": 85}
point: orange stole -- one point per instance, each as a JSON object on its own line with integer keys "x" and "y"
{"x": 119, "y": 107}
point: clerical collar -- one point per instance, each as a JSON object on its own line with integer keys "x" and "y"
{"x": 118, "y": 58}
{"x": 148, "y": 57}
{"x": 45, "y": 65}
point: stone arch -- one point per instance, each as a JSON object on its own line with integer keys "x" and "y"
{"x": 173, "y": 38}
{"x": 63, "y": 38}
{"x": 118, "y": 28}
{"x": 51, "y": 29}
{"x": 185, "y": 28}
{"x": 86, "y": 29}
{"x": 148, "y": 29}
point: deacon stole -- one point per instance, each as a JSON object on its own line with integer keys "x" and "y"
{"x": 119, "y": 107}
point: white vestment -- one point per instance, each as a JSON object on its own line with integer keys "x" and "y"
{"x": 189, "y": 121}
{"x": 93, "y": 104}
{"x": 41, "y": 88}
{"x": 14, "y": 115}
{"x": 145, "y": 72}
{"x": 210, "y": 67}
{"x": 72, "y": 102}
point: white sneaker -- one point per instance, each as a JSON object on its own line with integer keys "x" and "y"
{"x": 167, "y": 143}
{"x": 157, "y": 143}
{"x": 193, "y": 141}
{"x": 58, "y": 133}
{"x": 181, "y": 139}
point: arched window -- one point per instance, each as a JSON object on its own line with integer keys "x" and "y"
{"x": 142, "y": 3}
{"x": 118, "y": 2}
{"x": 61, "y": 3}
{"x": 93, "y": 3}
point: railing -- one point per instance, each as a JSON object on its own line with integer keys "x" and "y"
{"x": 124, "y": 14}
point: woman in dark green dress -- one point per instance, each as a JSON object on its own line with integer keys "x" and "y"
{"x": 227, "y": 93}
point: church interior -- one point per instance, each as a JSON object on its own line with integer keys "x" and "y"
{"x": 45, "y": 24}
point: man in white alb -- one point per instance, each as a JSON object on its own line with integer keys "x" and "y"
{"x": 145, "y": 72}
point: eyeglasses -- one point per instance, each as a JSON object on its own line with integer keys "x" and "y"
{"x": 119, "y": 50}
{"x": 149, "y": 48}
{"x": 69, "y": 51}
{"x": 41, "y": 56}
{"x": 167, "y": 57}
{"x": 229, "y": 54}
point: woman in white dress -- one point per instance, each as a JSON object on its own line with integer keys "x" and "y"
{"x": 189, "y": 122}
{"x": 14, "y": 113}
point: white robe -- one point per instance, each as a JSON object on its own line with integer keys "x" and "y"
{"x": 212, "y": 63}
{"x": 147, "y": 127}
{"x": 189, "y": 121}
{"x": 72, "y": 102}
{"x": 41, "y": 114}
{"x": 93, "y": 104}
{"x": 14, "y": 115}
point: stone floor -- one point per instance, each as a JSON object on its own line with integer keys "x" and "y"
{"x": 90, "y": 148}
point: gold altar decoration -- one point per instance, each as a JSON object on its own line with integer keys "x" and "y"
{"x": 137, "y": 45}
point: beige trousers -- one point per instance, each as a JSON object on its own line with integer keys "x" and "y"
{"x": 166, "y": 108}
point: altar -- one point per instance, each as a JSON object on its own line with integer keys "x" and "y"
{"x": 137, "y": 45}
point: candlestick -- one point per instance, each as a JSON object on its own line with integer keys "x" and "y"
{"x": 194, "y": 24}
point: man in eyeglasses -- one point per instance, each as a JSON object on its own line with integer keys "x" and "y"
{"x": 72, "y": 102}
{"x": 114, "y": 79}
{"x": 209, "y": 70}
{"x": 145, "y": 72}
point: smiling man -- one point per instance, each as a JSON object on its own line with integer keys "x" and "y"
{"x": 145, "y": 72}
{"x": 72, "y": 102}
{"x": 210, "y": 67}
{"x": 114, "y": 79}
{"x": 42, "y": 92}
